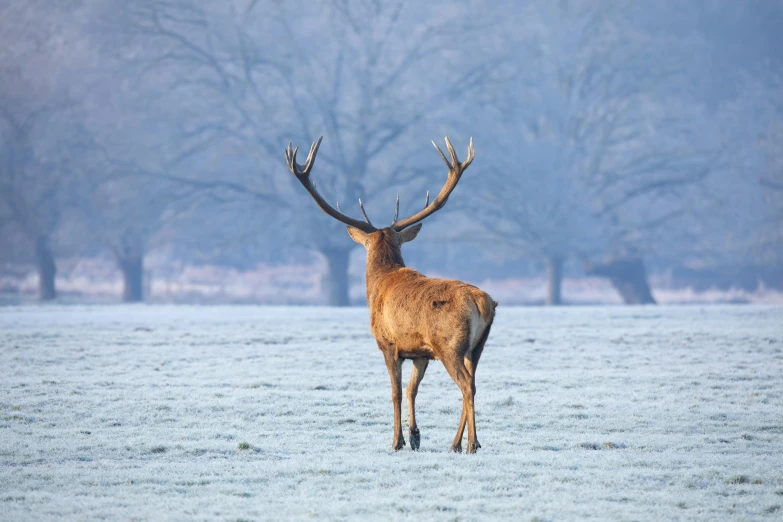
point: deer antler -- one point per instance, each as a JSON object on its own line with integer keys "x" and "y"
{"x": 302, "y": 173}
{"x": 455, "y": 172}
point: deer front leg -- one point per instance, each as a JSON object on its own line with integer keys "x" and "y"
{"x": 417, "y": 374}
{"x": 394, "y": 366}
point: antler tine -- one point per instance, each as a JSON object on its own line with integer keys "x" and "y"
{"x": 441, "y": 155}
{"x": 311, "y": 155}
{"x": 454, "y": 160}
{"x": 366, "y": 219}
{"x": 469, "y": 159}
{"x": 290, "y": 156}
{"x": 455, "y": 172}
{"x": 396, "y": 209}
{"x": 302, "y": 174}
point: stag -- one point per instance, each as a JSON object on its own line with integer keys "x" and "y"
{"x": 412, "y": 316}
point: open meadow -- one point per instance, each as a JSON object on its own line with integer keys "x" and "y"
{"x": 273, "y": 413}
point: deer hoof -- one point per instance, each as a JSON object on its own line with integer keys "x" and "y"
{"x": 456, "y": 448}
{"x": 415, "y": 437}
{"x": 398, "y": 444}
{"x": 473, "y": 447}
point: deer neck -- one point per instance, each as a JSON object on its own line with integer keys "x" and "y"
{"x": 381, "y": 262}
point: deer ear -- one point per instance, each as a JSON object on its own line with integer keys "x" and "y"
{"x": 410, "y": 233}
{"x": 357, "y": 235}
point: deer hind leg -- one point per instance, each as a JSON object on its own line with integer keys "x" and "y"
{"x": 394, "y": 365}
{"x": 417, "y": 374}
{"x": 471, "y": 361}
{"x": 456, "y": 446}
{"x": 455, "y": 367}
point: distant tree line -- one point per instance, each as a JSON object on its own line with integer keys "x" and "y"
{"x": 612, "y": 137}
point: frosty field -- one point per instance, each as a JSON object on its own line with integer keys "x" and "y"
{"x": 258, "y": 413}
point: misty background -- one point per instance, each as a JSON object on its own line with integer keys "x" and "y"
{"x": 624, "y": 151}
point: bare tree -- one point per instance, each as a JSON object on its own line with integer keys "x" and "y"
{"x": 587, "y": 115}
{"x": 133, "y": 193}
{"x": 380, "y": 73}
{"x": 41, "y": 130}
{"x": 735, "y": 225}
{"x": 35, "y": 161}
{"x": 771, "y": 178}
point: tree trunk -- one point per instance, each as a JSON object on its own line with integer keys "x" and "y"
{"x": 629, "y": 278}
{"x": 132, "y": 279}
{"x": 47, "y": 270}
{"x": 554, "y": 276}
{"x": 336, "y": 278}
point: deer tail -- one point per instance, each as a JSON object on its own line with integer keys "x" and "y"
{"x": 486, "y": 307}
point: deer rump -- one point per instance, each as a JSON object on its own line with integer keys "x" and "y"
{"x": 422, "y": 317}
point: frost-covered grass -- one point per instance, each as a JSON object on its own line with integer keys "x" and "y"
{"x": 254, "y": 413}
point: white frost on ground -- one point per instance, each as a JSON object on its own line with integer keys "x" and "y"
{"x": 141, "y": 412}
